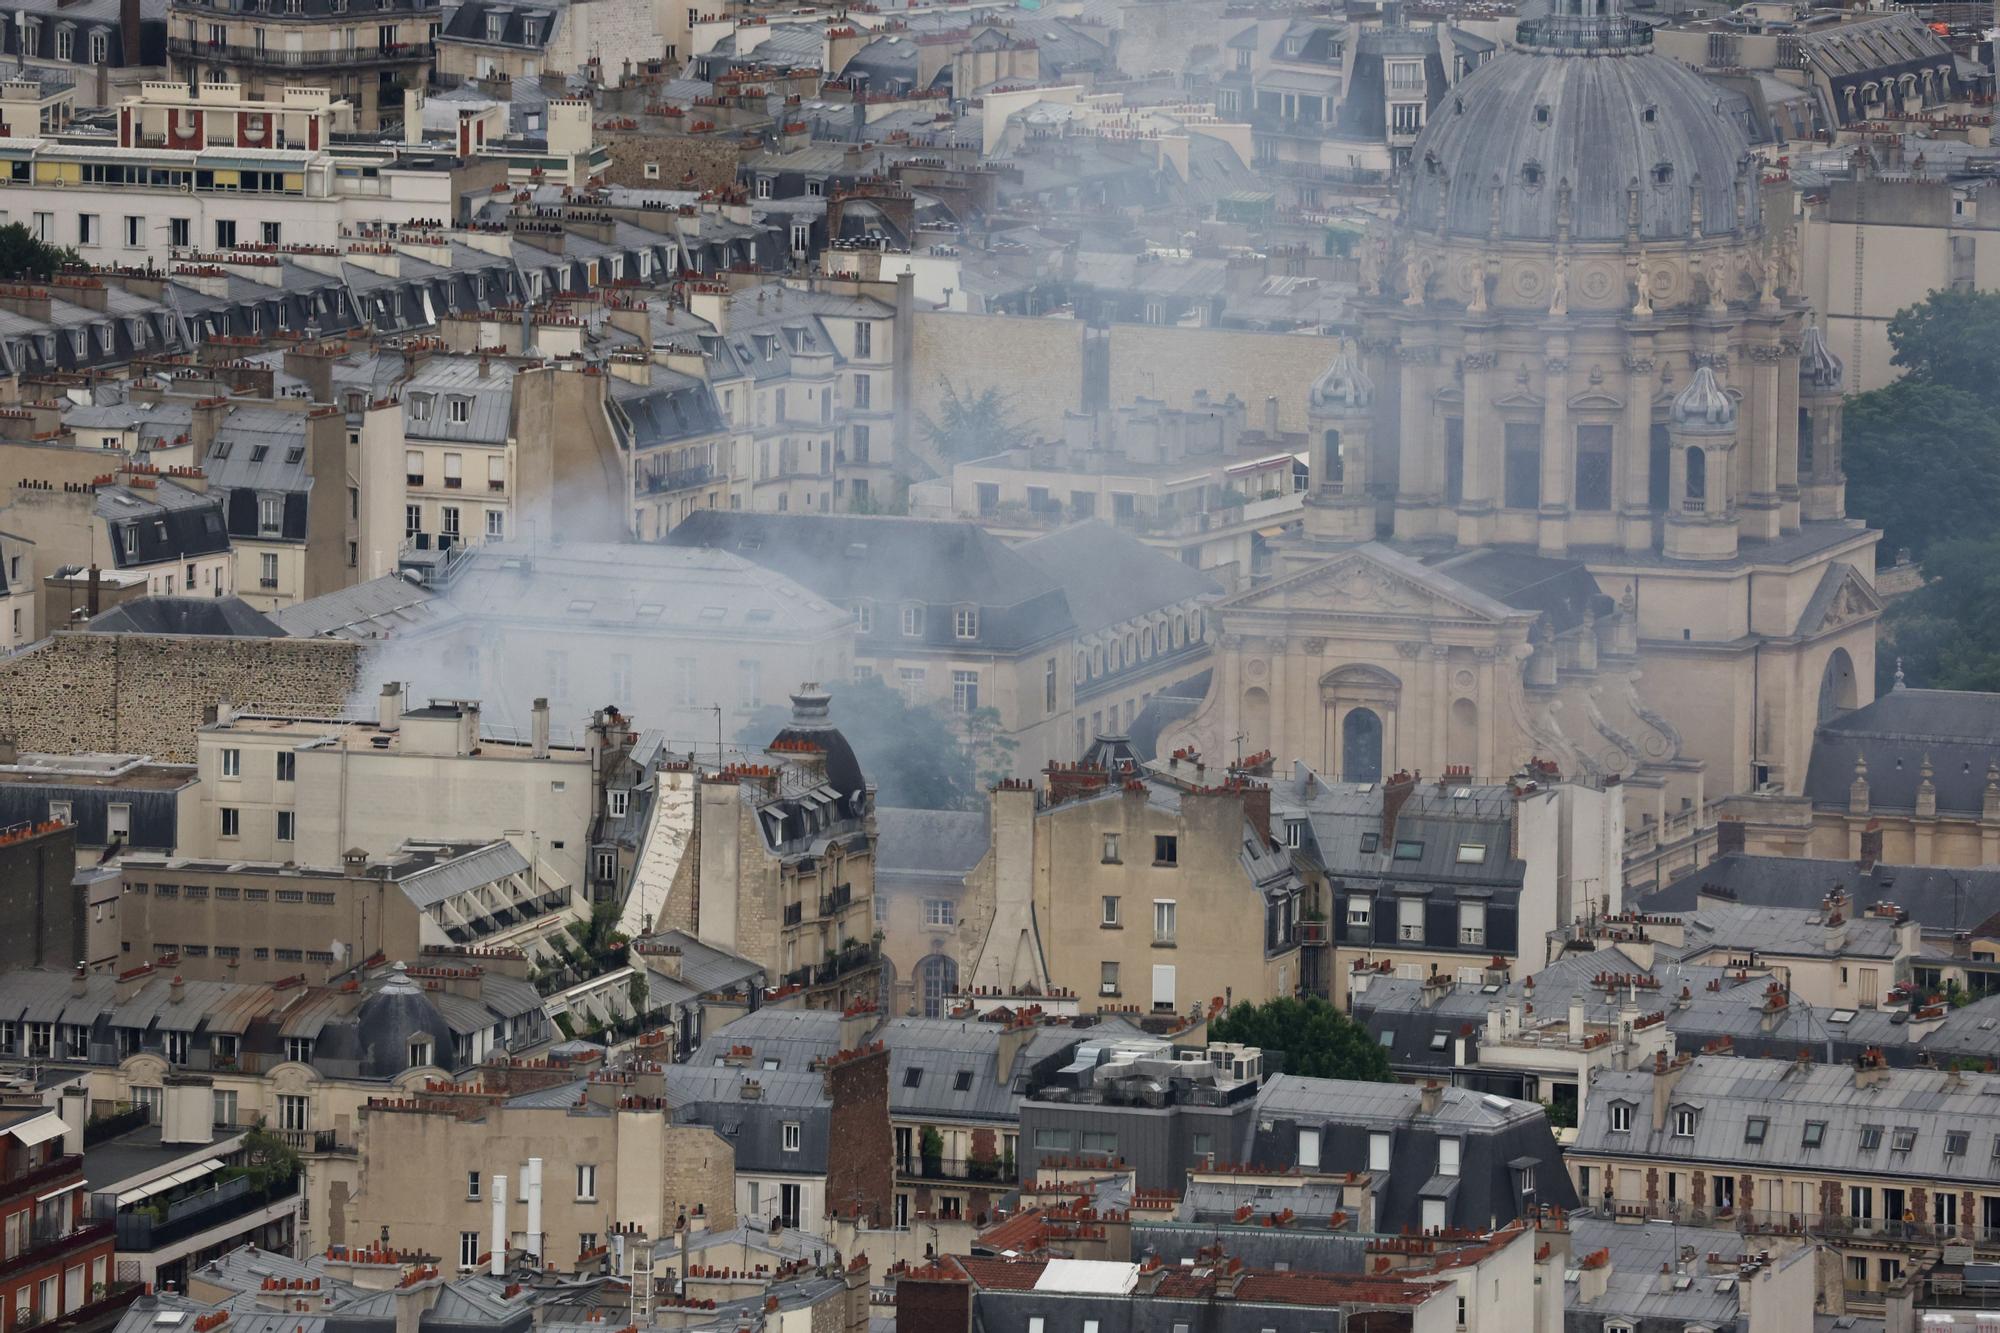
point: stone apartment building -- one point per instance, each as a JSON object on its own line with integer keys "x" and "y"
{"x": 368, "y": 56}
{"x": 785, "y": 869}
{"x": 20, "y": 623}
{"x": 1451, "y": 877}
{"x": 460, "y": 1171}
{"x": 309, "y": 790}
{"x": 301, "y": 1059}
{"x": 281, "y": 469}
{"x": 1396, "y": 1158}
{"x": 1885, "y": 1166}
{"x": 1136, "y": 891}
{"x": 951, "y": 615}
{"x": 249, "y": 922}
{"x": 165, "y": 530}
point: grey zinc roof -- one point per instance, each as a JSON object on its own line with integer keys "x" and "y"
{"x": 387, "y": 605}
{"x": 1728, "y": 1091}
{"x": 1595, "y": 136}
{"x": 705, "y": 969}
{"x": 1796, "y": 931}
{"x": 1956, "y": 730}
{"x": 1941, "y": 897}
{"x": 933, "y": 843}
{"x": 227, "y": 617}
{"x": 462, "y": 873}
{"x": 1110, "y": 577}
{"x": 1328, "y": 1101}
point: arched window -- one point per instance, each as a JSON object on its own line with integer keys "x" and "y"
{"x": 937, "y": 981}
{"x": 1697, "y": 479}
{"x": 1335, "y": 469}
{"x": 1361, "y": 746}
{"x": 1805, "y": 442}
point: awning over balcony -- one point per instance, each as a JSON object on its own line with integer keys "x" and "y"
{"x": 58, "y": 1192}
{"x": 185, "y": 1175}
{"x": 39, "y": 1129}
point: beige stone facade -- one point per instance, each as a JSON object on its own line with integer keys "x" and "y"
{"x": 1133, "y": 898}
{"x": 428, "y": 1166}
{"x": 367, "y": 55}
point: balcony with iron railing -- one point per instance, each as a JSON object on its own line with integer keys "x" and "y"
{"x": 143, "y": 1231}
{"x": 333, "y": 58}
{"x": 850, "y": 960}
{"x": 48, "y": 1242}
{"x": 38, "y": 1180}
{"x": 918, "y": 1167}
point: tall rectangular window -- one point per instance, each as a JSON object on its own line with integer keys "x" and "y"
{"x": 965, "y": 691}
{"x": 864, "y": 338}
{"x": 1524, "y": 465}
{"x": 1454, "y": 460}
{"x": 1593, "y": 466}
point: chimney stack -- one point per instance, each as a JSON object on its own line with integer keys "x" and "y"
{"x": 535, "y": 1212}
{"x": 389, "y": 708}
{"x": 499, "y": 1245}
{"x": 1430, "y": 1097}
{"x": 541, "y": 728}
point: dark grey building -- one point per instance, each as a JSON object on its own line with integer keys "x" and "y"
{"x": 43, "y": 907}
{"x": 126, "y": 801}
{"x": 1432, "y": 1156}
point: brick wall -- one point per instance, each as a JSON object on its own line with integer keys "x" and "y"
{"x": 928, "y": 1305}
{"x": 144, "y": 694}
{"x": 860, "y": 1172}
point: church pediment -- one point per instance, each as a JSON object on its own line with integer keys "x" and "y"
{"x": 1596, "y": 400}
{"x": 1373, "y": 580}
{"x": 1842, "y": 598}
{"x": 1450, "y": 396}
{"x": 1521, "y": 398}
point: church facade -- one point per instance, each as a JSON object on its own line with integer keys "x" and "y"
{"x": 1577, "y": 484}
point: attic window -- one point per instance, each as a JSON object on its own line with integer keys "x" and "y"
{"x": 1754, "y": 1128}
{"x": 1471, "y": 853}
{"x": 295, "y": 454}
{"x": 1871, "y": 1137}
{"x": 1439, "y": 1040}
{"x": 1955, "y": 1141}
{"x": 258, "y": 453}
{"x": 1905, "y": 1140}
{"x": 1409, "y": 849}
{"x": 1841, "y": 1016}
{"x": 221, "y": 449}
{"x": 1541, "y": 113}
{"x": 1531, "y": 175}
{"x": 712, "y": 615}
{"x": 913, "y": 1076}
{"x": 1815, "y": 1134}
{"x": 1370, "y": 843}
{"x": 962, "y": 1081}
{"x": 1663, "y": 173}
{"x": 1650, "y": 115}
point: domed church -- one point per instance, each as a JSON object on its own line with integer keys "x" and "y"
{"x": 1578, "y": 490}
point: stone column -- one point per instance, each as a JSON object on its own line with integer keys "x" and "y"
{"x": 1758, "y": 507}
{"x": 1635, "y": 515}
{"x": 1440, "y": 709}
{"x": 1481, "y": 489}
{"x": 1418, "y": 473}
{"x": 1789, "y": 511}
{"x": 1557, "y": 446}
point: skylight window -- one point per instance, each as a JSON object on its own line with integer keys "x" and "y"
{"x": 1841, "y": 1016}
{"x": 1409, "y": 850}
{"x": 1471, "y": 853}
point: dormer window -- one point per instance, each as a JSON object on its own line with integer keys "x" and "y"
{"x": 1531, "y": 175}
{"x": 1684, "y": 1121}
{"x": 420, "y": 407}
{"x": 1621, "y": 1117}
{"x": 864, "y": 617}
{"x": 913, "y": 620}
{"x": 965, "y": 622}
{"x": 420, "y": 1052}
{"x": 1663, "y": 173}
{"x": 1294, "y": 45}
{"x": 458, "y": 411}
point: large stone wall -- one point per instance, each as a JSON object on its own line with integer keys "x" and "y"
{"x": 1171, "y": 363}
{"x": 1037, "y": 363}
{"x": 144, "y": 693}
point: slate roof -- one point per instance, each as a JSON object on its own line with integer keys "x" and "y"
{"x": 1110, "y": 577}
{"x": 939, "y": 563}
{"x": 938, "y": 844}
{"x": 221, "y": 617}
{"x": 1939, "y": 897}
{"x": 1955, "y": 729}
{"x": 388, "y": 605}
{"x": 161, "y": 524}
{"x": 1727, "y": 1092}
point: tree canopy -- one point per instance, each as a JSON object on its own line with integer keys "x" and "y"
{"x": 23, "y": 256}
{"x": 1922, "y": 458}
{"x": 917, "y": 756}
{"x": 972, "y": 424}
{"x": 1317, "y": 1039}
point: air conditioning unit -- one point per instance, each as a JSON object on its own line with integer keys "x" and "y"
{"x": 1108, "y": 988}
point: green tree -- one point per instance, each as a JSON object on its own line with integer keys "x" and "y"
{"x": 972, "y": 425}
{"x": 22, "y": 256}
{"x": 1951, "y": 338}
{"x": 1317, "y": 1039}
{"x": 915, "y": 756}
{"x": 1947, "y": 633}
{"x": 1922, "y": 462}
